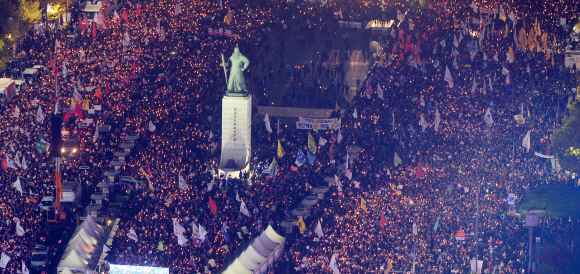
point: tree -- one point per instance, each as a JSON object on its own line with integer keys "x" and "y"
{"x": 566, "y": 140}
{"x": 31, "y": 11}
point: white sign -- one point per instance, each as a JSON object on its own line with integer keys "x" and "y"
{"x": 511, "y": 199}
{"x": 572, "y": 57}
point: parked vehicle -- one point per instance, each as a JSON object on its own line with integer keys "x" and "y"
{"x": 46, "y": 202}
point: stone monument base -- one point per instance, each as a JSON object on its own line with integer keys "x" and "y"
{"x": 236, "y": 133}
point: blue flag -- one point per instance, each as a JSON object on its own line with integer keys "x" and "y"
{"x": 300, "y": 158}
{"x": 225, "y": 231}
{"x": 436, "y": 224}
{"x": 311, "y": 157}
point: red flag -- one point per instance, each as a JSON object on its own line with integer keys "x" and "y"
{"x": 212, "y": 206}
{"x": 383, "y": 221}
{"x": 401, "y": 37}
{"x": 124, "y": 15}
{"x": 138, "y": 9}
{"x": 294, "y": 168}
{"x": 81, "y": 25}
{"x": 419, "y": 171}
{"x": 4, "y": 164}
{"x": 331, "y": 152}
{"x": 98, "y": 93}
{"x": 86, "y": 22}
{"x": 134, "y": 65}
{"x": 94, "y": 30}
{"x": 107, "y": 92}
{"x": 53, "y": 66}
{"x": 424, "y": 36}
{"x": 67, "y": 115}
{"x": 78, "y": 110}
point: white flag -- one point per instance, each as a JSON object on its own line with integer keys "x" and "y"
{"x": 195, "y": 230}
{"x": 487, "y": 118}
{"x": 244, "y": 209}
{"x": 442, "y": 43}
{"x": 322, "y": 141}
{"x": 455, "y": 42}
{"x": 82, "y": 54}
{"x": 318, "y": 230}
{"x": 436, "y": 63}
{"x": 17, "y": 185}
{"x": 178, "y": 9}
{"x": 355, "y": 114}
{"x": 237, "y": 196}
{"x": 437, "y": 119}
{"x": 177, "y": 228}
{"x": 380, "y": 91}
{"x": 16, "y": 112}
{"x": 526, "y": 142}
{"x": 182, "y": 183}
{"x": 33, "y": 102}
{"x": 39, "y": 115}
{"x": 4, "y": 260}
{"x": 24, "y": 268}
{"x": 333, "y": 265}
{"x": 181, "y": 240}
{"x": 424, "y": 124}
{"x": 152, "y": 127}
{"x": 339, "y": 137}
{"x": 267, "y": 121}
{"x": 337, "y": 125}
{"x": 448, "y": 77}
{"x": 414, "y": 228}
{"x": 133, "y": 235}
{"x": 76, "y": 94}
{"x": 389, "y": 173}
{"x": 473, "y": 86}
{"x": 24, "y": 164}
{"x": 202, "y": 233}
{"x": 19, "y": 229}
{"x": 504, "y": 71}
{"x": 106, "y": 249}
{"x": 10, "y": 162}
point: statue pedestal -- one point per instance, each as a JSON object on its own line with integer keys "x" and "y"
{"x": 236, "y": 134}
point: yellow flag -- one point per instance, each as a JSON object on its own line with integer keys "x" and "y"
{"x": 301, "y": 225}
{"x": 506, "y": 31}
{"x": 522, "y": 39}
{"x": 554, "y": 42}
{"x": 86, "y": 104}
{"x": 510, "y": 55}
{"x": 281, "y": 151}
{"x": 531, "y": 43}
{"x": 363, "y": 204}
{"x": 228, "y": 18}
{"x": 315, "y": 126}
{"x": 337, "y": 108}
{"x": 545, "y": 41}
{"x": 311, "y": 144}
{"x": 73, "y": 102}
{"x": 548, "y": 55}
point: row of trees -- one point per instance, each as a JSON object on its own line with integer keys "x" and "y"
{"x": 18, "y": 16}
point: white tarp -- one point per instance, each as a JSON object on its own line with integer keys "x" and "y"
{"x": 96, "y": 227}
{"x": 73, "y": 261}
{"x": 85, "y": 236}
{"x": 248, "y": 263}
{"x": 260, "y": 248}
{"x": 80, "y": 245}
{"x": 272, "y": 235}
{"x": 267, "y": 243}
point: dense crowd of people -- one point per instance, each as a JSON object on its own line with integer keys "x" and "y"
{"x": 159, "y": 65}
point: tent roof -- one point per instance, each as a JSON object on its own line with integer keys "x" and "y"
{"x": 89, "y": 220}
{"x": 254, "y": 256}
{"x": 238, "y": 268}
{"x": 90, "y": 230}
{"x": 85, "y": 236}
{"x": 73, "y": 260}
{"x": 79, "y": 244}
{"x": 260, "y": 248}
{"x": 247, "y": 262}
{"x": 80, "y": 252}
{"x": 267, "y": 243}
{"x": 272, "y": 235}
{"x": 66, "y": 271}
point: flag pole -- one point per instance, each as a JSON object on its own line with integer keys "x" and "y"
{"x": 225, "y": 71}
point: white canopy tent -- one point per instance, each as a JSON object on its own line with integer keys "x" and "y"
{"x": 85, "y": 236}
{"x": 80, "y": 244}
{"x": 73, "y": 262}
{"x": 261, "y": 253}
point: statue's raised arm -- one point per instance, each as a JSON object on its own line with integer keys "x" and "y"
{"x": 236, "y": 82}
